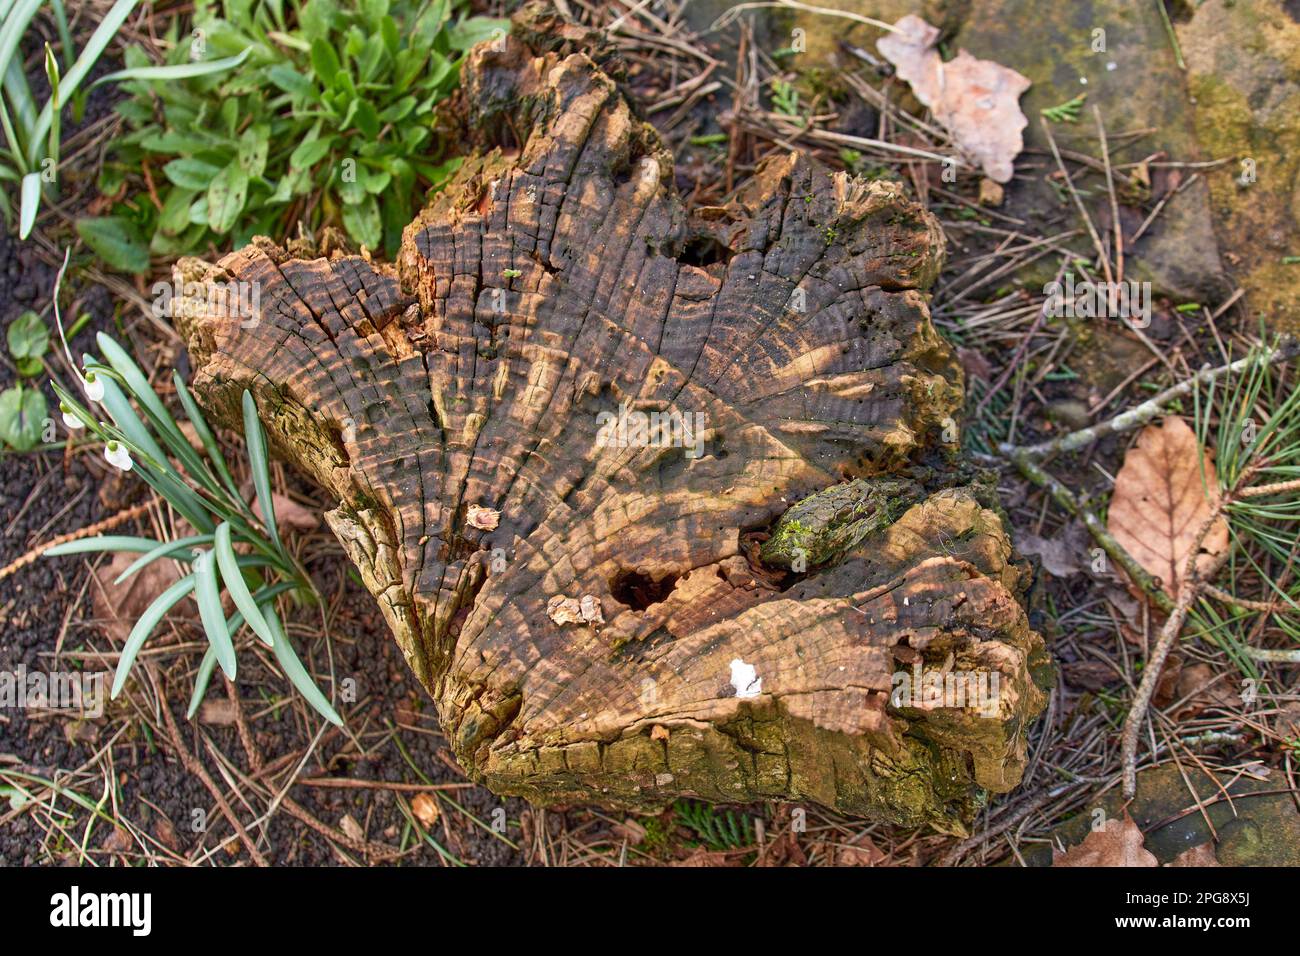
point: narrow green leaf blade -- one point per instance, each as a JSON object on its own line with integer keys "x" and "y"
{"x": 201, "y": 680}
{"x": 236, "y": 586}
{"x": 102, "y": 542}
{"x": 298, "y": 675}
{"x": 210, "y": 613}
{"x": 165, "y": 550}
{"x": 255, "y": 438}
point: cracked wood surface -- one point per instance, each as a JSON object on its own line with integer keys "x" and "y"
{"x": 556, "y": 281}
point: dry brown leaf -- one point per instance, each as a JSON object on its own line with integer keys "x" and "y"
{"x": 218, "y": 712}
{"x": 1200, "y": 686}
{"x": 351, "y": 828}
{"x": 1119, "y": 843}
{"x": 425, "y": 809}
{"x": 1202, "y": 855}
{"x": 976, "y": 101}
{"x": 119, "y": 606}
{"x": 1161, "y": 503}
{"x": 861, "y": 851}
{"x": 1064, "y": 553}
{"x": 289, "y": 514}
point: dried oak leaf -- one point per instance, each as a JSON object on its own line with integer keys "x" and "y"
{"x": 976, "y": 101}
{"x": 1161, "y": 503}
{"x": 1119, "y": 843}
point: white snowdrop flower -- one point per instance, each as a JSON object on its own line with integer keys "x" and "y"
{"x": 745, "y": 679}
{"x": 118, "y": 456}
{"x": 72, "y": 421}
{"x": 94, "y": 387}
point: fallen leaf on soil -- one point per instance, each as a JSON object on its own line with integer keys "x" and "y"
{"x": 1199, "y": 689}
{"x": 166, "y": 833}
{"x": 351, "y": 828}
{"x": 425, "y": 809}
{"x": 1202, "y": 855}
{"x": 289, "y": 514}
{"x": 1160, "y": 503}
{"x": 118, "y": 841}
{"x": 991, "y": 194}
{"x": 218, "y": 712}
{"x": 1090, "y": 675}
{"x": 860, "y": 851}
{"x": 976, "y": 101}
{"x": 119, "y": 606}
{"x": 1118, "y": 844}
{"x": 1063, "y": 554}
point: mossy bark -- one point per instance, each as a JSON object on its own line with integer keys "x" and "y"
{"x": 557, "y": 282}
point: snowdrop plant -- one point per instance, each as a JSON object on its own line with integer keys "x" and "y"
{"x": 232, "y": 548}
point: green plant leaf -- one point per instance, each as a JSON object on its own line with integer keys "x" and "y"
{"x": 98, "y": 543}
{"x": 90, "y": 53}
{"x": 236, "y": 586}
{"x": 27, "y": 336}
{"x": 190, "y": 173}
{"x": 22, "y": 417}
{"x": 325, "y": 62}
{"x": 226, "y": 197}
{"x": 207, "y": 592}
{"x": 201, "y": 680}
{"x": 168, "y": 549}
{"x": 297, "y": 674}
{"x": 363, "y": 222}
{"x": 258, "y": 464}
{"x": 176, "y": 71}
{"x": 117, "y": 241}
{"x": 30, "y": 200}
{"x": 206, "y": 438}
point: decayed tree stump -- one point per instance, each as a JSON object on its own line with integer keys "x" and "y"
{"x": 617, "y": 614}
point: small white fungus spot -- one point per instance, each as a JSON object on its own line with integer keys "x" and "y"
{"x": 745, "y": 679}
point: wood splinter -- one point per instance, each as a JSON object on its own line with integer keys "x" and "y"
{"x": 569, "y": 387}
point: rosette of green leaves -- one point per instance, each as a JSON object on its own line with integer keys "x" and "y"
{"x": 329, "y": 121}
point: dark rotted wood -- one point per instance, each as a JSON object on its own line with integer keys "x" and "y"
{"x": 590, "y": 636}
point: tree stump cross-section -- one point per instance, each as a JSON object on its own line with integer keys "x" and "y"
{"x": 562, "y": 426}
